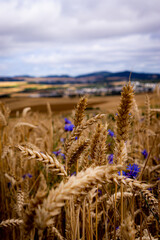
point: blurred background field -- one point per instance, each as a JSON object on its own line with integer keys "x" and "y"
{"x": 104, "y": 104}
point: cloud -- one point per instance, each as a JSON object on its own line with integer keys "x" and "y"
{"x": 71, "y": 35}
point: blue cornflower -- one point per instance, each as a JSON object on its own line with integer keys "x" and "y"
{"x": 132, "y": 171}
{"x": 63, "y": 155}
{"x": 145, "y": 153}
{"x": 76, "y": 138}
{"x": 99, "y": 192}
{"x": 67, "y": 121}
{"x": 57, "y": 153}
{"x": 110, "y": 133}
{"x": 110, "y": 158}
{"x": 62, "y": 140}
{"x": 73, "y": 174}
{"x": 156, "y": 158}
{"x": 24, "y": 176}
{"x": 68, "y": 127}
{"x": 27, "y": 175}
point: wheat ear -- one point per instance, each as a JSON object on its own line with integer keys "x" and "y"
{"x": 53, "y": 163}
{"x": 25, "y": 124}
{"x": 11, "y": 223}
{"x": 101, "y": 149}
{"x": 96, "y": 145}
{"x": 75, "y": 152}
{"x": 123, "y": 126}
{"x": 77, "y": 131}
{"x": 128, "y": 231}
{"x": 19, "y": 203}
{"x": 25, "y": 111}
{"x": 76, "y": 185}
{"x": 79, "y": 114}
{"x": 123, "y": 112}
{"x": 79, "y": 185}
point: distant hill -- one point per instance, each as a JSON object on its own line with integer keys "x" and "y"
{"x": 104, "y": 74}
{"x": 11, "y": 79}
{"x": 95, "y": 77}
{"x": 119, "y": 76}
{"x": 57, "y": 76}
{"x": 136, "y": 76}
{"x": 24, "y": 76}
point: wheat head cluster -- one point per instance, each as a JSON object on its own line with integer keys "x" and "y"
{"x": 80, "y": 176}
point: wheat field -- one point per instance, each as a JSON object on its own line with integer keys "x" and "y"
{"x": 81, "y": 175}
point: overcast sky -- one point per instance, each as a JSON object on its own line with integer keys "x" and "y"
{"x": 42, "y": 37}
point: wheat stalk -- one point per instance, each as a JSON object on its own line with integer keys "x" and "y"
{"x": 29, "y": 214}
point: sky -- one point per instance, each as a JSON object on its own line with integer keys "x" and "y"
{"x": 48, "y": 37}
